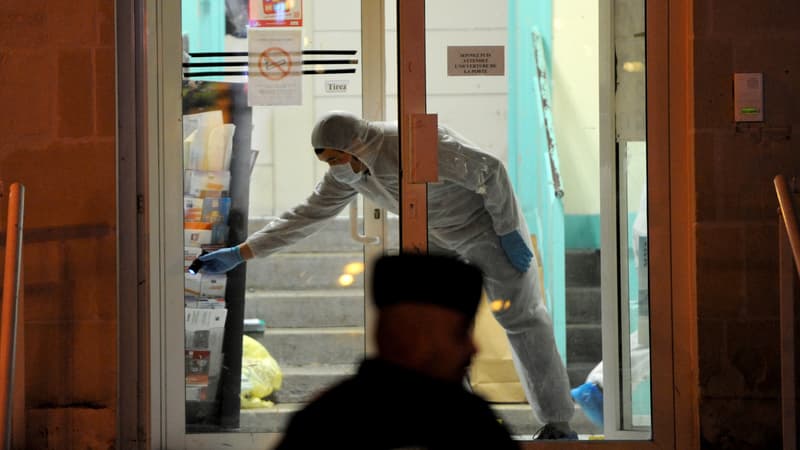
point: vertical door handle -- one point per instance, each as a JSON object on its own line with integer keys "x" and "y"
{"x": 358, "y": 237}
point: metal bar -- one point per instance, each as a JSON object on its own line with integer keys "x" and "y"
{"x": 218, "y": 64}
{"x": 373, "y": 107}
{"x": 330, "y": 61}
{"x": 542, "y": 80}
{"x": 354, "y": 234}
{"x": 327, "y": 71}
{"x": 18, "y": 419}
{"x": 786, "y": 286}
{"x": 788, "y": 256}
{"x": 8, "y": 313}
{"x": 789, "y": 216}
{"x": 305, "y": 52}
{"x": 244, "y": 73}
{"x": 245, "y": 63}
{"x": 330, "y": 52}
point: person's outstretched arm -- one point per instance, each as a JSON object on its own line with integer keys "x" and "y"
{"x": 327, "y": 200}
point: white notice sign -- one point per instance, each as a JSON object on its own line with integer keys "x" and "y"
{"x": 475, "y": 60}
{"x": 336, "y": 86}
{"x": 275, "y": 67}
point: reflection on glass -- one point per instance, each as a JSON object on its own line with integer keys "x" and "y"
{"x": 299, "y": 313}
{"x": 615, "y": 397}
{"x": 494, "y": 86}
{"x": 551, "y": 145}
{"x": 638, "y": 370}
{"x": 208, "y": 149}
{"x": 631, "y": 135}
{"x": 265, "y": 337}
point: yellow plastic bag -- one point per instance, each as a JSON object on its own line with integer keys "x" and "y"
{"x": 261, "y": 375}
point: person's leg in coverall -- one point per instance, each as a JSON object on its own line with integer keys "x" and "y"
{"x": 526, "y": 322}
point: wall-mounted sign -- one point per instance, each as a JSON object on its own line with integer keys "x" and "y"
{"x": 276, "y": 13}
{"x": 275, "y": 67}
{"x": 336, "y": 86}
{"x": 475, "y": 60}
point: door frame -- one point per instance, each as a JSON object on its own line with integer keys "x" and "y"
{"x": 616, "y": 343}
{"x": 675, "y": 417}
{"x": 151, "y": 402}
{"x": 672, "y": 282}
{"x": 133, "y": 349}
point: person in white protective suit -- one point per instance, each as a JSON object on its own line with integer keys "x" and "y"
{"x": 472, "y": 213}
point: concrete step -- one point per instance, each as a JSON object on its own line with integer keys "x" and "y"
{"x": 584, "y": 343}
{"x": 300, "y": 384}
{"x": 582, "y": 268}
{"x": 517, "y": 417}
{"x": 333, "y": 238}
{"x": 304, "y": 271}
{"x": 315, "y": 326}
{"x": 577, "y": 372}
{"x": 307, "y": 346}
{"x": 319, "y": 261}
{"x": 307, "y": 308}
{"x": 338, "y": 330}
{"x": 344, "y": 307}
{"x": 313, "y": 358}
{"x": 583, "y": 305}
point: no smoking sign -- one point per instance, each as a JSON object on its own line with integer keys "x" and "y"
{"x": 274, "y": 63}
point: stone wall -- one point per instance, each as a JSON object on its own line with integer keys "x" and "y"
{"x": 736, "y": 219}
{"x": 58, "y": 126}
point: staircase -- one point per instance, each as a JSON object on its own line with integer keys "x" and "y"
{"x": 314, "y": 326}
{"x": 584, "y": 337}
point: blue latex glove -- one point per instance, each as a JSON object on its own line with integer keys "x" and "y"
{"x": 516, "y": 250}
{"x": 222, "y": 260}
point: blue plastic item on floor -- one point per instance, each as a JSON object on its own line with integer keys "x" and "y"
{"x": 590, "y": 398}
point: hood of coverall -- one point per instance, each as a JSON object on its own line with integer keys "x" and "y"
{"x": 344, "y": 131}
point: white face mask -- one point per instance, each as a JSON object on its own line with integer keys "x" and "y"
{"x": 345, "y": 174}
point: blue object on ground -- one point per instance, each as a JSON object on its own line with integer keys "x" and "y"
{"x": 589, "y": 397}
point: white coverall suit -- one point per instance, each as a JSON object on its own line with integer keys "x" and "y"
{"x": 471, "y": 205}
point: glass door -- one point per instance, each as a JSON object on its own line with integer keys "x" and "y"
{"x": 245, "y": 81}
{"x": 625, "y": 378}
{"x": 535, "y": 86}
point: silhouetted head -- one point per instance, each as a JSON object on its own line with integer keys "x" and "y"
{"x": 426, "y": 308}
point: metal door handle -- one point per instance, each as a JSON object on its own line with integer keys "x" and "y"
{"x": 358, "y": 237}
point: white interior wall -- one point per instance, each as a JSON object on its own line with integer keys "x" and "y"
{"x": 576, "y": 112}
{"x": 475, "y": 106}
{"x": 286, "y": 169}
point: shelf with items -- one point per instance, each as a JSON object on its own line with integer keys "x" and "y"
{"x": 217, "y": 166}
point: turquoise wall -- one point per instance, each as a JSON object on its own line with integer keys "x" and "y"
{"x": 528, "y": 156}
{"x": 203, "y": 21}
{"x": 582, "y": 231}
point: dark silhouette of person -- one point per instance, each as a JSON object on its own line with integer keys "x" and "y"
{"x": 410, "y": 395}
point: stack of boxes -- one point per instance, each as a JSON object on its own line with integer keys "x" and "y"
{"x": 206, "y": 208}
